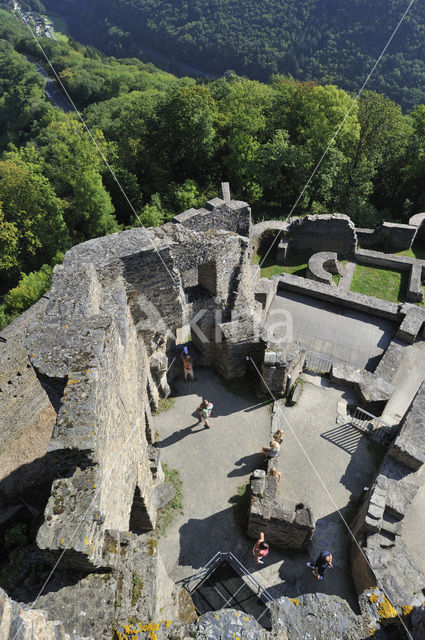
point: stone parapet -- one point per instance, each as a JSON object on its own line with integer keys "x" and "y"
{"x": 379, "y": 523}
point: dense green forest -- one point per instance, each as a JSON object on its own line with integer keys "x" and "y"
{"x": 171, "y": 141}
{"x": 329, "y": 41}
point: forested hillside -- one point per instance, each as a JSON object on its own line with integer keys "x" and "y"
{"x": 170, "y": 142}
{"x": 330, "y": 41}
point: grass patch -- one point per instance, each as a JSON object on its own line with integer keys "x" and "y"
{"x": 413, "y": 252}
{"x": 380, "y": 283}
{"x": 165, "y": 404}
{"x": 296, "y": 264}
{"x": 167, "y": 514}
{"x": 136, "y": 588}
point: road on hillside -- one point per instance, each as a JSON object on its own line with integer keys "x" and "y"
{"x": 52, "y": 92}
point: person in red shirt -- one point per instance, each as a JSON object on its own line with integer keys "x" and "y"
{"x": 187, "y": 367}
{"x": 260, "y": 549}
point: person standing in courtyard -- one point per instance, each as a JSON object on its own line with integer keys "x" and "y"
{"x": 260, "y": 549}
{"x": 323, "y": 562}
{"x": 205, "y": 409}
{"x": 187, "y": 367}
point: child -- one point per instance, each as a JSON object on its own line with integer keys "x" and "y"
{"x": 278, "y": 436}
{"x": 275, "y": 473}
{"x": 205, "y": 409}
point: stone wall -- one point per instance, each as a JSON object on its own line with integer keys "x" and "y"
{"x": 231, "y": 216}
{"x": 389, "y": 235}
{"x": 281, "y": 366}
{"x": 23, "y": 401}
{"x": 359, "y": 302}
{"x": 285, "y": 524}
{"x": 381, "y": 557}
{"x": 23, "y": 622}
{"x": 321, "y": 266}
{"x": 322, "y": 233}
{"x": 105, "y": 339}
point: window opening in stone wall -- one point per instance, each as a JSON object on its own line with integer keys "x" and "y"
{"x": 140, "y": 520}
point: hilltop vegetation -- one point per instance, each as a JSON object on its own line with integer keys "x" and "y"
{"x": 170, "y": 142}
{"x": 330, "y": 41}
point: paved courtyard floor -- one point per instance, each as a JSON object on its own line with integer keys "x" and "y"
{"x": 330, "y": 330}
{"x": 214, "y": 463}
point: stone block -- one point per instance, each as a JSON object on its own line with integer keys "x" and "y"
{"x": 413, "y": 322}
{"x": 391, "y": 361}
{"x": 409, "y": 446}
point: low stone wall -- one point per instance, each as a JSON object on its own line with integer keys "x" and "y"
{"x": 321, "y": 266}
{"x": 231, "y": 216}
{"x": 373, "y": 390}
{"x": 359, "y": 302}
{"x": 416, "y": 269}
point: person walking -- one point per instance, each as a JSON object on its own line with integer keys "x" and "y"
{"x": 260, "y": 549}
{"x": 323, "y": 562}
{"x": 205, "y": 409}
{"x": 187, "y": 367}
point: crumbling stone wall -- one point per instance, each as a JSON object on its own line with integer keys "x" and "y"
{"x": 285, "y": 524}
{"x": 232, "y": 216}
{"x": 322, "y": 233}
{"x": 106, "y": 340}
{"x": 378, "y": 525}
{"x": 20, "y": 621}
{"x": 23, "y": 401}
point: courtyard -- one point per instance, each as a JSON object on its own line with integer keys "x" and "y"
{"x": 328, "y": 330}
{"x": 323, "y": 465}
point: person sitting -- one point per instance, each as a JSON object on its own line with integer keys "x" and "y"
{"x": 278, "y": 436}
{"x": 275, "y": 473}
{"x": 271, "y": 451}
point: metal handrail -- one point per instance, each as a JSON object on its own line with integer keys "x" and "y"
{"x": 203, "y": 574}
